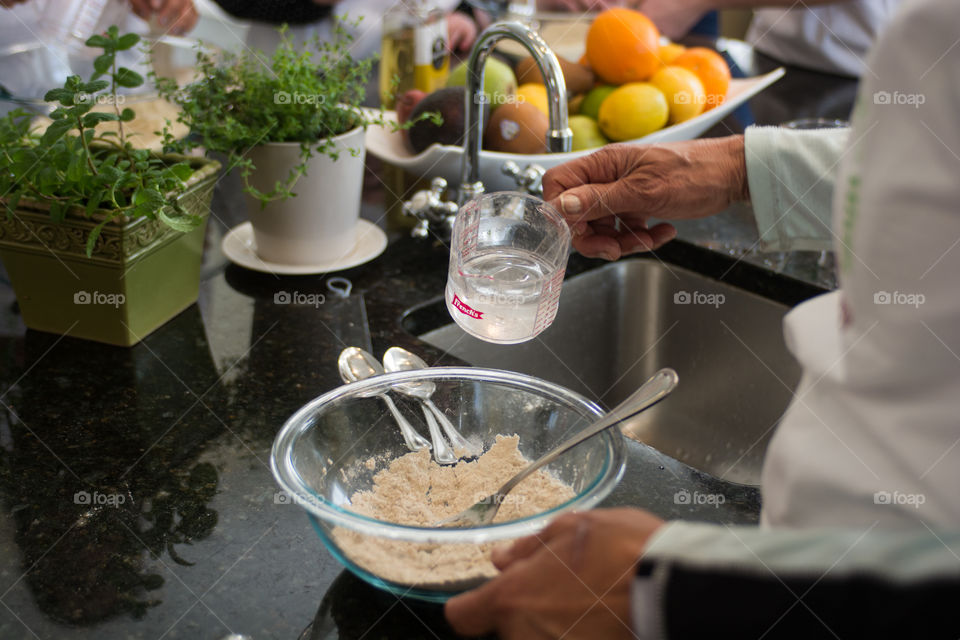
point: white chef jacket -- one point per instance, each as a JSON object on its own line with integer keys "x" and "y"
{"x": 871, "y": 441}
{"x": 873, "y": 434}
{"x": 834, "y": 38}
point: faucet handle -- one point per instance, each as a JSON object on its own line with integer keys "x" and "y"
{"x": 529, "y": 180}
{"x": 428, "y": 207}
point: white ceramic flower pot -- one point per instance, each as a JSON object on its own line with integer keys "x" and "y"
{"x": 319, "y": 224}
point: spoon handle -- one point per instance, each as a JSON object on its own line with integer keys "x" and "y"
{"x": 414, "y": 440}
{"x": 650, "y": 393}
{"x": 458, "y": 441}
{"x": 441, "y": 450}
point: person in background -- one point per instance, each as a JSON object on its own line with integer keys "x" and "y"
{"x": 175, "y": 17}
{"x": 860, "y": 517}
{"x": 310, "y": 18}
{"x": 832, "y": 36}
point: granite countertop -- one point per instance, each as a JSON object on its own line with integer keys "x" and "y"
{"x": 137, "y": 500}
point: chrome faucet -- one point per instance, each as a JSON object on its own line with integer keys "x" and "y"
{"x": 559, "y": 136}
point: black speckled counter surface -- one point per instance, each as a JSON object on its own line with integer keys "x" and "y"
{"x": 136, "y": 499}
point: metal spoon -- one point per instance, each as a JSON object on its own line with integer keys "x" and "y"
{"x": 356, "y": 364}
{"x": 397, "y": 359}
{"x": 653, "y": 391}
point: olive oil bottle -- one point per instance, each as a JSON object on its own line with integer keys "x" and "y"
{"x": 414, "y": 55}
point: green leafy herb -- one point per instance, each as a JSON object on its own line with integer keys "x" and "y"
{"x": 72, "y": 167}
{"x": 307, "y": 95}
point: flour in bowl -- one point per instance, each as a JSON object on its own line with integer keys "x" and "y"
{"x": 415, "y": 490}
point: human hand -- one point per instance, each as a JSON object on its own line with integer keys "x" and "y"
{"x": 176, "y": 16}
{"x": 572, "y": 580}
{"x": 608, "y": 196}
{"x": 461, "y": 31}
{"x": 674, "y": 18}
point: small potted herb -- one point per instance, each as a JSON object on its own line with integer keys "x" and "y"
{"x": 293, "y": 125}
{"x": 101, "y": 240}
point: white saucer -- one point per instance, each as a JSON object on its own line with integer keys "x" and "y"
{"x": 239, "y": 247}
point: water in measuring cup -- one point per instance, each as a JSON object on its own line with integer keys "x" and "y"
{"x": 496, "y": 295}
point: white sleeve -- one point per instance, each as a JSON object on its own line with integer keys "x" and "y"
{"x": 791, "y": 177}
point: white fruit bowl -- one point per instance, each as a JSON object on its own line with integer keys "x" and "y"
{"x": 444, "y": 160}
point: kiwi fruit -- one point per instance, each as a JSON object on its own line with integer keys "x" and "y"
{"x": 517, "y": 127}
{"x": 578, "y": 78}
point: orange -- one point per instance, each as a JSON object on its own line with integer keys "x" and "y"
{"x": 683, "y": 90}
{"x": 623, "y": 46}
{"x": 712, "y": 70}
{"x": 669, "y": 52}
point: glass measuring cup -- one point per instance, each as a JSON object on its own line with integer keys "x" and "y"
{"x": 508, "y": 255}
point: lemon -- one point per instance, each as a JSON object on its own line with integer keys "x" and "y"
{"x": 683, "y": 90}
{"x": 535, "y": 94}
{"x": 591, "y": 102}
{"x": 633, "y": 111}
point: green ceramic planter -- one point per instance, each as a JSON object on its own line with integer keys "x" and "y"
{"x": 141, "y": 274}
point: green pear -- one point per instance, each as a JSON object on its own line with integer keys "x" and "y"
{"x": 586, "y": 133}
{"x": 499, "y": 83}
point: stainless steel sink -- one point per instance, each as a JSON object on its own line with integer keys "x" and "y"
{"x": 621, "y": 322}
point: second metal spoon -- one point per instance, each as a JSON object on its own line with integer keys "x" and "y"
{"x": 398, "y": 359}
{"x": 356, "y": 364}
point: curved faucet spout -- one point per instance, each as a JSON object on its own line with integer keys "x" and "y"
{"x": 559, "y": 136}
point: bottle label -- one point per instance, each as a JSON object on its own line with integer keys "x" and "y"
{"x": 430, "y": 46}
{"x": 466, "y": 309}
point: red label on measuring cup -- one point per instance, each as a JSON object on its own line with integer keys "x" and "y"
{"x": 466, "y": 309}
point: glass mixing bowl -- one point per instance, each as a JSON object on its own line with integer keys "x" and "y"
{"x": 333, "y": 446}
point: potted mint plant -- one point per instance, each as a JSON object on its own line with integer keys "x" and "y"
{"x": 101, "y": 240}
{"x": 293, "y": 125}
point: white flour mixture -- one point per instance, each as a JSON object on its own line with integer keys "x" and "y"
{"x": 415, "y": 490}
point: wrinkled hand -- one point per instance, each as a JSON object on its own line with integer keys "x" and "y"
{"x": 572, "y": 580}
{"x": 176, "y": 16}
{"x": 607, "y": 197}
{"x": 674, "y": 18}
{"x": 461, "y": 31}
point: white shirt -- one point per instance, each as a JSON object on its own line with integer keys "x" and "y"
{"x": 873, "y": 434}
{"x": 834, "y": 38}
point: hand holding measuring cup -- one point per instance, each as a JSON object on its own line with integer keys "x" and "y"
{"x": 507, "y": 259}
